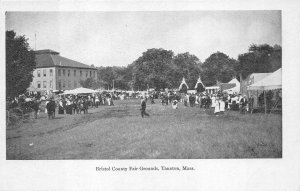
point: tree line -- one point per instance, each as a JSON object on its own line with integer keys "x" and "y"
{"x": 156, "y": 68}
{"x": 160, "y": 68}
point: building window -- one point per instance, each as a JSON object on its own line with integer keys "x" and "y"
{"x": 94, "y": 74}
{"x": 90, "y": 73}
{"x": 59, "y": 84}
{"x": 39, "y": 84}
{"x": 51, "y": 84}
{"x": 86, "y": 74}
{"x": 51, "y": 72}
{"x": 80, "y": 73}
{"x": 59, "y": 72}
{"x": 44, "y": 72}
{"x": 64, "y": 72}
{"x": 44, "y": 84}
{"x": 69, "y": 73}
{"x": 74, "y": 72}
{"x": 38, "y": 73}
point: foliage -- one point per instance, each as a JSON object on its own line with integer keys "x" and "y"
{"x": 160, "y": 68}
{"x": 90, "y": 83}
{"x": 20, "y": 63}
{"x": 187, "y": 66}
{"x": 218, "y": 67}
{"x": 152, "y": 69}
{"x": 117, "y": 77}
{"x": 260, "y": 59}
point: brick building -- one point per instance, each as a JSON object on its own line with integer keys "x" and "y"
{"x": 54, "y": 72}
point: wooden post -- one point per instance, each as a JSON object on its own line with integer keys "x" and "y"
{"x": 265, "y": 100}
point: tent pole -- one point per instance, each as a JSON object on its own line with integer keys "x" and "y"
{"x": 265, "y": 99}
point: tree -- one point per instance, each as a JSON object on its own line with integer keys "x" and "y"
{"x": 119, "y": 76}
{"x": 218, "y": 67}
{"x": 187, "y": 66}
{"x": 89, "y": 83}
{"x": 151, "y": 69}
{"x": 260, "y": 59}
{"x": 20, "y": 63}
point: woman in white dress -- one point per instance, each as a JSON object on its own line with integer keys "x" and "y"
{"x": 217, "y": 106}
{"x": 222, "y": 105}
{"x": 213, "y": 101}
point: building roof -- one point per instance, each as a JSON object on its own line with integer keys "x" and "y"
{"x": 226, "y": 86}
{"x": 49, "y": 58}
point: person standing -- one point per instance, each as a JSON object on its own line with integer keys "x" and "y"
{"x": 97, "y": 101}
{"x": 143, "y": 108}
{"x": 217, "y": 106}
{"x": 35, "y": 108}
{"x": 222, "y": 105}
{"x": 251, "y": 103}
{"x": 68, "y": 106}
{"x": 51, "y": 109}
{"x": 61, "y": 109}
{"x": 243, "y": 104}
{"x": 185, "y": 100}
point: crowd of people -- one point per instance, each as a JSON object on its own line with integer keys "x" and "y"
{"x": 77, "y": 104}
{"x": 66, "y": 104}
{"x": 219, "y": 102}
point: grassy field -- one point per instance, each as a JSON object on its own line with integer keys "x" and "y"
{"x": 119, "y": 132}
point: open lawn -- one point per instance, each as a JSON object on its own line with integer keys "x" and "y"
{"x": 119, "y": 132}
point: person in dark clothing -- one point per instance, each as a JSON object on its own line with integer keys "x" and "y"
{"x": 152, "y": 99}
{"x": 51, "y": 109}
{"x": 192, "y": 100}
{"x": 35, "y": 108}
{"x": 85, "y": 106}
{"x": 143, "y": 108}
{"x": 61, "y": 109}
{"x": 75, "y": 106}
{"x": 243, "y": 104}
{"x": 251, "y": 104}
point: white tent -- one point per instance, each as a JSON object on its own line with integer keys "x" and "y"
{"x": 235, "y": 89}
{"x": 80, "y": 91}
{"x": 199, "y": 81}
{"x": 271, "y": 82}
{"x": 183, "y": 82}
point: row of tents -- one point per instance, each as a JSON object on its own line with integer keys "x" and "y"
{"x": 270, "y": 82}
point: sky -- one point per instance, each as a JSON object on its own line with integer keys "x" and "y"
{"x": 119, "y": 38}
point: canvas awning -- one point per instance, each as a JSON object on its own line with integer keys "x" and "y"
{"x": 271, "y": 82}
{"x": 80, "y": 91}
{"x": 235, "y": 88}
{"x": 33, "y": 89}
